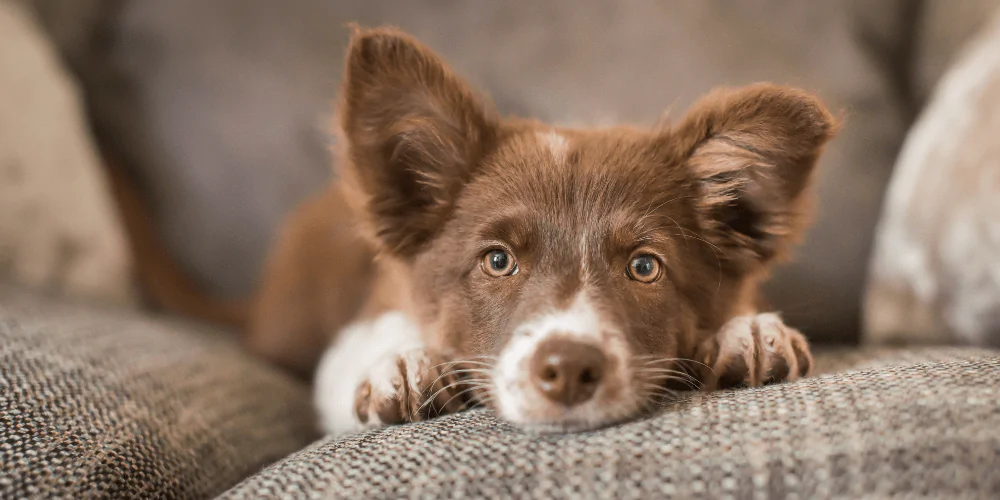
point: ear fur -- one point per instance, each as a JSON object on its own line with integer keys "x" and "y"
{"x": 414, "y": 134}
{"x": 752, "y": 152}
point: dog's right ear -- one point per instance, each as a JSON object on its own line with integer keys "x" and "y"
{"x": 415, "y": 133}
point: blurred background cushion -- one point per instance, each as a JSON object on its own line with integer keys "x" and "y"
{"x": 221, "y": 109}
{"x": 224, "y": 108}
{"x": 943, "y": 28}
{"x": 108, "y": 405}
{"x": 935, "y": 276}
{"x": 896, "y": 424}
{"x": 59, "y": 232}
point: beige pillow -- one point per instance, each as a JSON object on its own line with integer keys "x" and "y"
{"x": 935, "y": 273}
{"x": 58, "y": 229}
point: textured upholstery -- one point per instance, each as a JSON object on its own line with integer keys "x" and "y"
{"x": 105, "y": 405}
{"x": 914, "y": 423}
{"x": 97, "y": 404}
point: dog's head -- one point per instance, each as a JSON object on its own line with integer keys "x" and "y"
{"x": 572, "y": 266}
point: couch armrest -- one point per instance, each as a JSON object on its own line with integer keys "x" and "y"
{"x": 106, "y": 404}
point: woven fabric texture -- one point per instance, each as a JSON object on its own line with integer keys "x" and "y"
{"x": 917, "y": 423}
{"x": 108, "y": 405}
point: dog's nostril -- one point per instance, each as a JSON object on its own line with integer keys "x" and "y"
{"x": 549, "y": 374}
{"x": 566, "y": 371}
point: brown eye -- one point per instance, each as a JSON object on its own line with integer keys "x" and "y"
{"x": 499, "y": 263}
{"x": 644, "y": 268}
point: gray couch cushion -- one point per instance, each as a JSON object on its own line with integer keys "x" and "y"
{"x": 105, "y": 405}
{"x": 900, "y": 423}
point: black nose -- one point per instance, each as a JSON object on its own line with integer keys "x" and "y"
{"x": 566, "y": 371}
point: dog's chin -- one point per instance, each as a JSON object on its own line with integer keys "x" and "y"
{"x": 548, "y": 418}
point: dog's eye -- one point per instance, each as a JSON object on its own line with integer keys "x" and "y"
{"x": 499, "y": 263}
{"x": 644, "y": 268}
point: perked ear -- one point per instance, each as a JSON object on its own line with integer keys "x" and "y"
{"x": 752, "y": 152}
{"x": 414, "y": 134}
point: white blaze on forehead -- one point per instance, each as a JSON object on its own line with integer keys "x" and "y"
{"x": 584, "y": 268}
{"x": 580, "y": 320}
{"x": 557, "y": 145}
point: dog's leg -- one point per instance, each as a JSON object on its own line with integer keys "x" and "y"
{"x": 753, "y": 350}
{"x": 315, "y": 283}
{"x": 378, "y": 373}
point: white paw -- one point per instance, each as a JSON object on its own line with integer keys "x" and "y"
{"x": 753, "y": 351}
{"x": 410, "y": 387}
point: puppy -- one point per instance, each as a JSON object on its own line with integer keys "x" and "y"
{"x": 564, "y": 277}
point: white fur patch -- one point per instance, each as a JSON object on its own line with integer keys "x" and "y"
{"x": 557, "y": 145}
{"x": 580, "y": 320}
{"x": 359, "y": 349}
{"x": 520, "y": 402}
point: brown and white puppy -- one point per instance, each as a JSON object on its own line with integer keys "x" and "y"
{"x": 560, "y": 276}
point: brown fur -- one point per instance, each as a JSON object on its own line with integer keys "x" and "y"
{"x": 441, "y": 178}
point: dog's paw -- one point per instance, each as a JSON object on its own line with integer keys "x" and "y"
{"x": 410, "y": 387}
{"x": 753, "y": 351}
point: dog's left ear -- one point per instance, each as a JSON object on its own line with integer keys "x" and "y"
{"x": 752, "y": 153}
{"x": 415, "y": 134}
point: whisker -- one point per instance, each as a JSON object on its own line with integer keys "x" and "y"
{"x": 671, "y": 375}
{"x": 654, "y": 369}
{"x": 473, "y": 383}
{"x": 653, "y": 359}
{"x": 486, "y": 395}
{"x": 458, "y": 362}
{"x": 457, "y": 395}
{"x": 451, "y": 364}
{"x": 474, "y": 363}
{"x": 431, "y": 398}
{"x": 443, "y": 374}
{"x": 457, "y": 382}
{"x": 687, "y": 384}
{"x": 483, "y": 402}
{"x": 687, "y": 387}
{"x": 468, "y": 382}
{"x": 663, "y": 378}
{"x": 658, "y": 388}
{"x": 659, "y": 359}
{"x": 659, "y": 393}
{"x": 666, "y": 370}
{"x": 474, "y": 370}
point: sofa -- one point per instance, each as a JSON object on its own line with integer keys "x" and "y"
{"x": 105, "y": 395}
